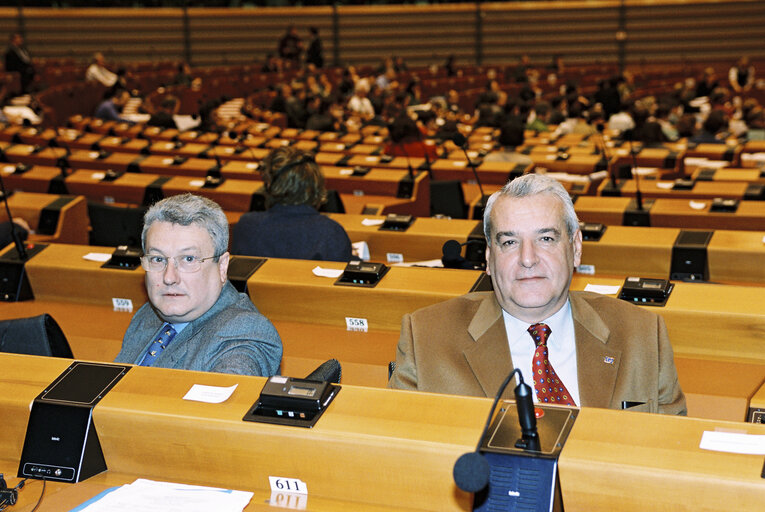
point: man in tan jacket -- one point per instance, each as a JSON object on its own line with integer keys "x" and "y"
{"x": 607, "y": 352}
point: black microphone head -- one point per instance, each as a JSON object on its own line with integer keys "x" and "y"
{"x": 471, "y": 472}
{"x": 328, "y": 371}
{"x": 459, "y": 139}
{"x": 600, "y": 127}
{"x": 451, "y": 250}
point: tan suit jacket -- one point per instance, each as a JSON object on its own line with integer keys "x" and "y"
{"x": 460, "y": 347}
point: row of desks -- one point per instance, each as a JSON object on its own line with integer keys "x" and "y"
{"x": 373, "y": 450}
{"x": 732, "y": 256}
{"x": 711, "y": 326}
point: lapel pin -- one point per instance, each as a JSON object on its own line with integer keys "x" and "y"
{"x": 608, "y": 360}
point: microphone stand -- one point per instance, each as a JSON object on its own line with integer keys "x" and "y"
{"x": 613, "y": 186}
{"x": 461, "y": 141}
{"x": 636, "y": 175}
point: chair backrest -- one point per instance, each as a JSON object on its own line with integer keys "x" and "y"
{"x": 113, "y": 225}
{"x": 447, "y": 198}
{"x": 334, "y": 203}
{"x": 38, "y": 335}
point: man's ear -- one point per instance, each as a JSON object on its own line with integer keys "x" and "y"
{"x": 488, "y": 255}
{"x": 223, "y": 266}
{"x": 577, "y": 242}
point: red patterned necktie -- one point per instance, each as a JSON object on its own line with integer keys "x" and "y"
{"x": 548, "y": 386}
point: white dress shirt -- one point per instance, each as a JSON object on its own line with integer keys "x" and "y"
{"x": 561, "y": 348}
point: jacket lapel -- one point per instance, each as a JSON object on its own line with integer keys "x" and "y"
{"x": 597, "y": 363}
{"x": 489, "y": 357}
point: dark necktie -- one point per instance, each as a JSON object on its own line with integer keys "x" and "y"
{"x": 160, "y": 343}
{"x": 548, "y": 386}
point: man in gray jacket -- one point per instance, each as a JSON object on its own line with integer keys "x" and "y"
{"x": 195, "y": 319}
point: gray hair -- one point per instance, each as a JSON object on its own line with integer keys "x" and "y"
{"x": 530, "y": 185}
{"x": 187, "y": 209}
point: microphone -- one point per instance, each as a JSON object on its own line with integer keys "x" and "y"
{"x": 603, "y": 148}
{"x": 452, "y": 255}
{"x": 461, "y": 141}
{"x": 214, "y": 177}
{"x": 328, "y": 371}
{"x": 63, "y": 162}
{"x": 471, "y": 471}
{"x": 638, "y": 195}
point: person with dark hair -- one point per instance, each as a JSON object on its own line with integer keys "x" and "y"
{"x": 18, "y": 59}
{"x": 291, "y": 46}
{"x": 314, "y": 54}
{"x": 163, "y": 116}
{"x": 712, "y": 129}
{"x": 6, "y": 231}
{"x": 511, "y": 135}
{"x": 291, "y": 226}
{"x": 320, "y": 118}
{"x": 110, "y": 109}
{"x": 195, "y": 319}
{"x": 576, "y": 348}
{"x": 541, "y": 118}
{"x": 406, "y": 139}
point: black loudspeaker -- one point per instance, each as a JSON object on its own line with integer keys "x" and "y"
{"x": 240, "y": 268}
{"x": 61, "y": 442}
{"x": 50, "y": 214}
{"x": 689, "y": 256}
{"x": 524, "y": 480}
{"x": 14, "y": 283}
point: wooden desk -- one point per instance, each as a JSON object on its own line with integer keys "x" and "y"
{"x": 404, "y": 442}
{"x": 651, "y": 189}
{"x": 677, "y": 213}
{"x": 422, "y": 241}
{"x": 70, "y": 213}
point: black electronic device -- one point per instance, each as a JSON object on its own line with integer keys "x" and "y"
{"x": 646, "y": 292}
{"x": 360, "y": 171}
{"x": 291, "y": 401}
{"x": 396, "y": 222}
{"x": 362, "y": 273}
{"x": 386, "y": 159}
{"x": 111, "y": 175}
{"x": 241, "y": 268}
{"x": 50, "y": 214}
{"x": 21, "y": 168}
{"x": 637, "y": 214}
{"x": 683, "y": 184}
{"x": 125, "y": 258}
{"x": 592, "y": 231}
{"x": 515, "y": 465}
{"x": 61, "y": 442}
{"x": 689, "y": 256}
{"x": 722, "y": 205}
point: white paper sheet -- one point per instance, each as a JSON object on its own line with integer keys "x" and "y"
{"x": 150, "y": 496}
{"x": 602, "y": 289}
{"x": 209, "y": 394}
{"x": 732, "y": 442}
{"x": 327, "y": 272}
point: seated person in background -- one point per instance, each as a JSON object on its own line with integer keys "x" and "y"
{"x": 292, "y": 226}
{"x": 511, "y": 135}
{"x": 406, "y": 139}
{"x": 111, "y": 108}
{"x": 6, "y": 231}
{"x": 713, "y": 129}
{"x": 163, "y": 116}
{"x": 195, "y": 319}
{"x": 97, "y": 72}
{"x": 604, "y": 352}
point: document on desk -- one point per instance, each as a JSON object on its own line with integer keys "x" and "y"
{"x": 151, "y": 496}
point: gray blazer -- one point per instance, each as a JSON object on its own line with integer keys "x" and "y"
{"x": 231, "y": 337}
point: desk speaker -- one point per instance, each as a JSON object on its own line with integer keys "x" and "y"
{"x": 61, "y": 442}
{"x": 524, "y": 480}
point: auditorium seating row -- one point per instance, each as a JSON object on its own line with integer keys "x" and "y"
{"x": 713, "y": 327}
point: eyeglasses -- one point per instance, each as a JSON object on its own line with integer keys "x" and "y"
{"x": 186, "y": 263}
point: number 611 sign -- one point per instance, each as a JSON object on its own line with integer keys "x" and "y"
{"x": 293, "y": 485}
